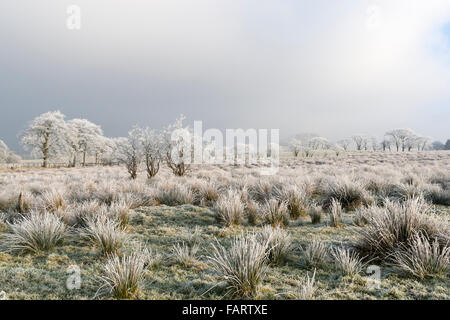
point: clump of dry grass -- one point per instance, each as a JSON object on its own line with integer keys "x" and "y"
{"x": 335, "y": 213}
{"x": 436, "y": 195}
{"x": 279, "y": 243}
{"x": 350, "y": 193}
{"x": 295, "y": 200}
{"x": 229, "y": 208}
{"x": 6, "y": 201}
{"x": 253, "y": 212}
{"x": 78, "y": 214}
{"x": 315, "y": 254}
{"x": 262, "y": 191}
{"x": 174, "y": 194}
{"x": 206, "y": 192}
{"x": 25, "y": 202}
{"x": 276, "y": 213}
{"x": 423, "y": 258}
{"x": 347, "y": 261}
{"x": 104, "y": 232}
{"x": 122, "y": 275}
{"x": 184, "y": 254}
{"x": 53, "y": 200}
{"x": 120, "y": 212}
{"x": 308, "y": 287}
{"x": 395, "y": 225}
{"x": 315, "y": 213}
{"x": 242, "y": 266}
{"x": 362, "y": 216}
{"x": 105, "y": 192}
{"x": 35, "y": 232}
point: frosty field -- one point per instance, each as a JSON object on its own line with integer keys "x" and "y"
{"x": 312, "y": 231}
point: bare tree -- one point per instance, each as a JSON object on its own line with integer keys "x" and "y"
{"x": 152, "y": 146}
{"x": 318, "y": 143}
{"x": 423, "y": 142}
{"x": 6, "y": 155}
{"x": 295, "y": 146}
{"x": 129, "y": 152}
{"x": 344, "y": 143}
{"x": 83, "y": 136}
{"x": 386, "y": 144}
{"x": 400, "y": 137}
{"x": 360, "y": 141}
{"x": 374, "y": 143}
{"x": 337, "y": 149}
{"x": 411, "y": 141}
{"x": 102, "y": 149}
{"x": 177, "y": 147}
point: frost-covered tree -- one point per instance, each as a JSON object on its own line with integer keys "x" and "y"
{"x": 338, "y": 149}
{"x": 83, "y": 137}
{"x": 152, "y": 149}
{"x": 295, "y": 145}
{"x": 374, "y": 143}
{"x": 129, "y": 152}
{"x": 177, "y": 147}
{"x": 360, "y": 141}
{"x": 303, "y": 142}
{"x": 400, "y": 137}
{"x": 423, "y": 143}
{"x": 344, "y": 143}
{"x": 103, "y": 149}
{"x": 6, "y": 155}
{"x": 47, "y": 136}
{"x": 411, "y": 141}
{"x": 386, "y": 144}
{"x": 318, "y": 143}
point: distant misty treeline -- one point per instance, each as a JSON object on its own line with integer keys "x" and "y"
{"x": 51, "y": 137}
{"x": 393, "y": 140}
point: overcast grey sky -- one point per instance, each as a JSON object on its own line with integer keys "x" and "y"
{"x": 330, "y": 67}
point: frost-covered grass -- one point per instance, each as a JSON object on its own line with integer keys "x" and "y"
{"x": 176, "y": 218}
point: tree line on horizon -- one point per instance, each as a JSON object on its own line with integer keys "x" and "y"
{"x": 50, "y": 136}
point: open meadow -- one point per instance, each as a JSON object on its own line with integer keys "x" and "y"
{"x": 361, "y": 225}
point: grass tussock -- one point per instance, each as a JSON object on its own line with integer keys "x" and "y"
{"x": 276, "y": 213}
{"x": 253, "y": 212}
{"x": 423, "y": 258}
{"x": 335, "y": 213}
{"x": 294, "y": 198}
{"x": 53, "y": 200}
{"x": 229, "y": 208}
{"x": 119, "y": 211}
{"x": 315, "y": 212}
{"x": 347, "y": 261}
{"x": 314, "y": 254}
{"x": 105, "y": 233}
{"x": 278, "y": 242}
{"x": 308, "y": 287}
{"x": 36, "y": 232}
{"x": 395, "y": 225}
{"x": 174, "y": 194}
{"x": 242, "y": 266}
{"x": 184, "y": 254}
{"x": 122, "y": 275}
{"x": 350, "y": 193}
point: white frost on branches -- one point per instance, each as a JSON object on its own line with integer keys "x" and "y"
{"x": 47, "y": 136}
